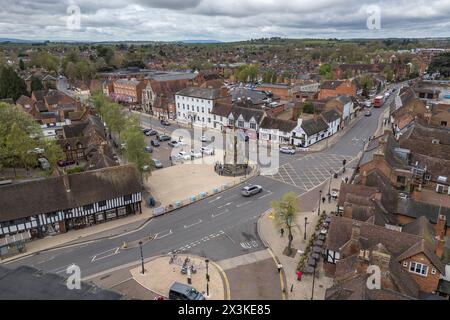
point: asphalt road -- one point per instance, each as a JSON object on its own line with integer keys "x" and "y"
{"x": 220, "y": 227}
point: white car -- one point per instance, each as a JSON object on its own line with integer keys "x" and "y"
{"x": 206, "y": 151}
{"x": 184, "y": 155}
{"x": 196, "y": 154}
{"x": 203, "y": 139}
{"x": 287, "y": 150}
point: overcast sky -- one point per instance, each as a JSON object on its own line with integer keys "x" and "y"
{"x": 225, "y": 20}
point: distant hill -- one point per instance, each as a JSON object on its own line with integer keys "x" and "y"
{"x": 199, "y": 41}
{"x": 13, "y": 40}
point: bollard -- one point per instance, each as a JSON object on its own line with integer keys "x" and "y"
{"x": 292, "y": 287}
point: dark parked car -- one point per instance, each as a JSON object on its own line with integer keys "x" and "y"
{"x": 149, "y": 149}
{"x": 149, "y": 132}
{"x": 65, "y": 163}
{"x": 181, "y": 291}
{"x": 165, "y": 123}
{"x": 155, "y": 143}
{"x": 163, "y": 137}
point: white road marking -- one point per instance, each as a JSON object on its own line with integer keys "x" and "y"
{"x": 61, "y": 269}
{"x": 46, "y": 260}
{"x": 194, "y": 224}
{"x": 105, "y": 254}
{"x": 226, "y": 234}
{"x": 243, "y": 204}
{"x": 165, "y": 234}
{"x": 218, "y": 198}
{"x": 266, "y": 195}
{"x": 219, "y": 214}
{"x": 229, "y": 203}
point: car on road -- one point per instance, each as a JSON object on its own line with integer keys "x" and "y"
{"x": 157, "y": 163}
{"x": 368, "y": 113}
{"x": 165, "y": 123}
{"x": 196, "y": 154}
{"x": 184, "y": 155}
{"x": 251, "y": 190}
{"x": 181, "y": 291}
{"x": 205, "y": 139}
{"x": 155, "y": 143}
{"x": 206, "y": 151}
{"x": 287, "y": 150}
{"x": 334, "y": 193}
{"x": 163, "y": 137}
{"x": 149, "y": 149}
{"x": 65, "y": 163}
{"x": 403, "y": 196}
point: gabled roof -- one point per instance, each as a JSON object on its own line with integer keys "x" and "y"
{"x": 331, "y": 85}
{"x": 279, "y": 124}
{"x": 201, "y": 93}
{"x": 247, "y": 113}
{"x": 331, "y": 115}
{"x": 222, "y": 109}
{"x": 314, "y": 126}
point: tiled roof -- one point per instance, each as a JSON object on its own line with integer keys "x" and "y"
{"x": 314, "y": 126}
{"x": 274, "y": 123}
{"x": 201, "y": 93}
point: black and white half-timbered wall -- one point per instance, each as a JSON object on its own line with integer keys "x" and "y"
{"x": 59, "y": 204}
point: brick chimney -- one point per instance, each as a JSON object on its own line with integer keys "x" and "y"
{"x": 223, "y": 92}
{"x": 440, "y": 234}
{"x": 356, "y": 232}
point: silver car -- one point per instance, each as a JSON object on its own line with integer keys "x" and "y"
{"x": 287, "y": 150}
{"x": 251, "y": 190}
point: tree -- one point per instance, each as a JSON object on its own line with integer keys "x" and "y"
{"x": 441, "y": 64}
{"x": 36, "y": 84}
{"x": 367, "y": 84}
{"x": 135, "y": 148}
{"x": 21, "y": 65}
{"x": 11, "y": 85}
{"x": 326, "y": 71}
{"x": 20, "y": 134}
{"x": 308, "y": 107}
{"x": 286, "y": 211}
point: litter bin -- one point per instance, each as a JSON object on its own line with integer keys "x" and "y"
{"x": 151, "y": 201}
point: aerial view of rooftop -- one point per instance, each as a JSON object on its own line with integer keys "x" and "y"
{"x": 225, "y": 151}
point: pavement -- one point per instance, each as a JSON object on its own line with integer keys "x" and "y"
{"x": 160, "y": 274}
{"x": 270, "y": 233}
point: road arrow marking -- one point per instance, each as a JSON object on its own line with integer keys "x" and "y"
{"x": 218, "y": 198}
{"x": 243, "y": 204}
{"x": 164, "y": 234}
{"x": 229, "y": 203}
{"x": 219, "y": 214}
{"x": 194, "y": 224}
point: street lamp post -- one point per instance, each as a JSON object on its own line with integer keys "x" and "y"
{"x": 207, "y": 277}
{"x": 142, "y": 257}
{"x": 320, "y": 200}
{"x": 314, "y": 278}
{"x": 306, "y": 222}
{"x": 329, "y": 186}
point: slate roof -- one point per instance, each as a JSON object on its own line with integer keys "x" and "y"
{"x": 222, "y": 109}
{"x": 331, "y": 115}
{"x": 314, "y": 126}
{"x": 331, "y": 85}
{"x": 274, "y": 123}
{"x": 29, "y": 283}
{"x": 247, "y": 113}
{"x": 201, "y": 93}
{"x": 19, "y": 200}
{"x": 416, "y": 209}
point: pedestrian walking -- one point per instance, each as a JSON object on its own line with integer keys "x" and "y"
{"x": 346, "y": 179}
{"x": 299, "y": 275}
{"x": 279, "y": 267}
{"x": 282, "y": 232}
{"x": 323, "y": 199}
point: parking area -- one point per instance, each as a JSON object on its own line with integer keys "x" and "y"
{"x": 310, "y": 171}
